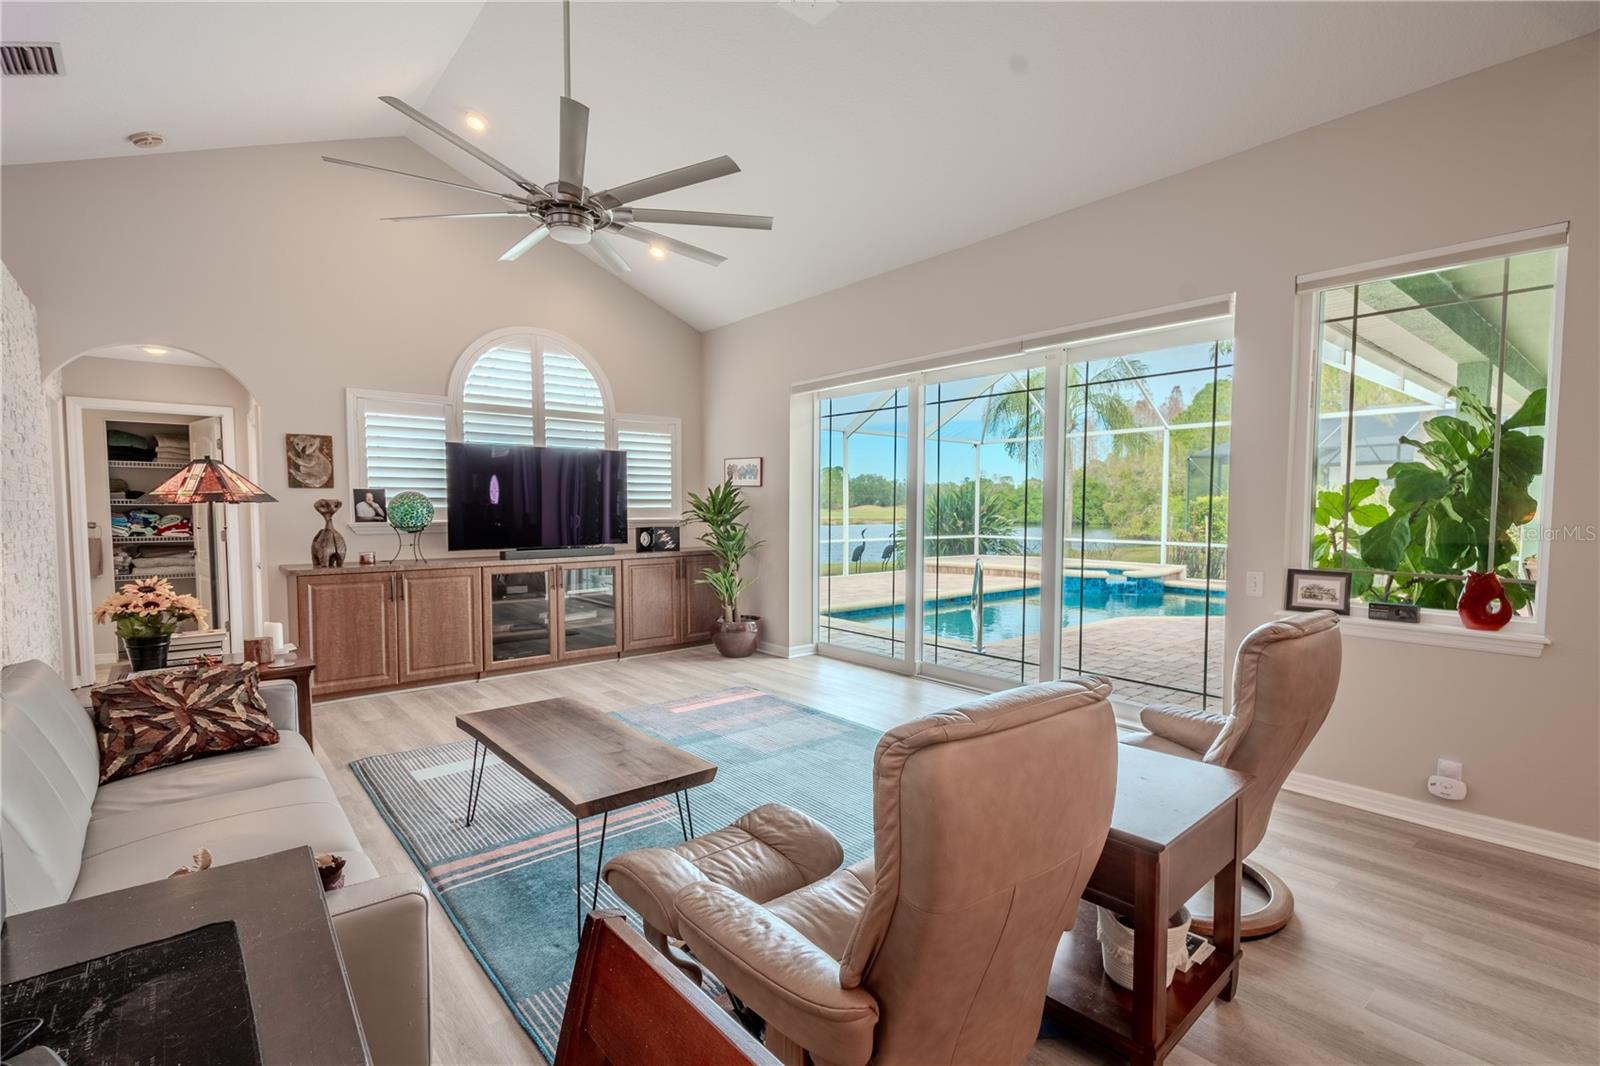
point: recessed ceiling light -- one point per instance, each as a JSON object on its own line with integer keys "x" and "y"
{"x": 476, "y": 122}
{"x": 150, "y": 349}
{"x": 657, "y": 251}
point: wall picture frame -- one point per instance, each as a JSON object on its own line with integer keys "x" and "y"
{"x": 1318, "y": 590}
{"x": 310, "y": 460}
{"x": 745, "y": 473}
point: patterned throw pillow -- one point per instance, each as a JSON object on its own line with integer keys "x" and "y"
{"x": 172, "y": 716}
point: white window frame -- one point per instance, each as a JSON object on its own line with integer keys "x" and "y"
{"x": 538, "y": 340}
{"x": 1438, "y": 628}
{"x": 673, "y": 427}
{"x": 357, "y": 403}
{"x": 1200, "y": 322}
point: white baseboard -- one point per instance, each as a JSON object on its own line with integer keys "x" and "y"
{"x": 104, "y": 658}
{"x": 1463, "y": 823}
{"x": 787, "y": 651}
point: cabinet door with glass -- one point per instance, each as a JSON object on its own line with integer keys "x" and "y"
{"x": 589, "y": 610}
{"x": 519, "y": 613}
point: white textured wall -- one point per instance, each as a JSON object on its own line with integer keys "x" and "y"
{"x": 29, "y": 582}
{"x": 1509, "y": 148}
{"x": 276, "y": 266}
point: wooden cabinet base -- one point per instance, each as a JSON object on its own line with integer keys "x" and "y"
{"x": 383, "y": 628}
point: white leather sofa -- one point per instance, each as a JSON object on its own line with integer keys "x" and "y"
{"x": 64, "y": 837}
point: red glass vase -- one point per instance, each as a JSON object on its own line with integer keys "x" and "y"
{"x": 1483, "y": 603}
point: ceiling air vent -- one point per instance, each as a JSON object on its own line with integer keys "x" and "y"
{"x": 30, "y": 59}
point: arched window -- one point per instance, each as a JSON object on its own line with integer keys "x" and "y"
{"x": 512, "y": 386}
{"x": 520, "y": 386}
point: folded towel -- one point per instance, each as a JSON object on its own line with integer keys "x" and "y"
{"x": 120, "y": 454}
{"x": 121, "y": 438}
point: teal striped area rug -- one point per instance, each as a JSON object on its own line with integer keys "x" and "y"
{"x": 507, "y": 882}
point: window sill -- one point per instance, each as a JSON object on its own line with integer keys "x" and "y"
{"x": 1512, "y": 640}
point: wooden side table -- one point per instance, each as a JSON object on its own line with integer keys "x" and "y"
{"x": 1174, "y": 827}
{"x": 295, "y": 666}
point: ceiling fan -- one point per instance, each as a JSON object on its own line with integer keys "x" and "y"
{"x": 568, "y": 211}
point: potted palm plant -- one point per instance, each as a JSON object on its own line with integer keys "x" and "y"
{"x": 721, "y": 510}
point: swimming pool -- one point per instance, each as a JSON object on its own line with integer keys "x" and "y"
{"x": 1013, "y": 614}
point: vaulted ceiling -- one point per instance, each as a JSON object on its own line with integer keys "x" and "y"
{"x": 877, "y": 134}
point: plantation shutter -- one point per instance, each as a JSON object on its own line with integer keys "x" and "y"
{"x": 574, "y": 407}
{"x": 497, "y": 399}
{"x": 652, "y": 447}
{"x": 401, "y": 445}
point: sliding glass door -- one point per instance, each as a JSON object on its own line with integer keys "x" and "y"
{"x": 1072, "y": 516}
{"x": 1144, "y": 543}
{"x": 983, "y": 502}
{"x": 862, "y": 441}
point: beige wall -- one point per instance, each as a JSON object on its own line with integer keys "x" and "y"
{"x": 1510, "y": 148}
{"x": 275, "y": 265}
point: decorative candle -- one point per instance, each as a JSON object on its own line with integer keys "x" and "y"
{"x": 273, "y": 631}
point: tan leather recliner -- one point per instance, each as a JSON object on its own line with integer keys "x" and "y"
{"x": 1284, "y": 681}
{"x": 988, "y": 821}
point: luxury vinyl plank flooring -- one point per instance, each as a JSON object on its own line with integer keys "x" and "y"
{"x": 1408, "y": 945}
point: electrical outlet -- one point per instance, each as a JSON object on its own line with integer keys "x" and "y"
{"x": 1252, "y": 583}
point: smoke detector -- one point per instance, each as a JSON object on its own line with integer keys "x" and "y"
{"x": 146, "y": 139}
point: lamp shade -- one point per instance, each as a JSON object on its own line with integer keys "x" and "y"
{"x": 207, "y": 481}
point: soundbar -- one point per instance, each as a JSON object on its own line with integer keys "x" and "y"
{"x": 555, "y": 553}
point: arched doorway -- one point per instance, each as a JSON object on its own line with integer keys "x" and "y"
{"x": 131, "y": 416}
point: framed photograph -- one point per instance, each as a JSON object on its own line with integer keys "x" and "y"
{"x": 1318, "y": 590}
{"x": 744, "y": 473}
{"x": 310, "y": 459}
{"x": 370, "y": 505}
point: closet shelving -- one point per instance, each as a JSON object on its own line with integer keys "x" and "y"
{"x": 140, "y": 477}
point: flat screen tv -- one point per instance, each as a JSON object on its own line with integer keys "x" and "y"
{"x": 517, "y": 496}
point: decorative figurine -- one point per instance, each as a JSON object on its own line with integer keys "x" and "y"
{"x": 327, "y": 547}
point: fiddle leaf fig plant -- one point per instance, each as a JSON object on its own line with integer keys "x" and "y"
{"x": 1436, "y": 518}
{"x": 721, "y": 511}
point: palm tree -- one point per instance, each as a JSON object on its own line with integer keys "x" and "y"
{"x": 1018, "y": 416}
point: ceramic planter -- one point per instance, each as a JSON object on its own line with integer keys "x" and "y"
{"x": 735, "y": 640}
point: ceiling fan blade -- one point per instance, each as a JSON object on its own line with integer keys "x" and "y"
{"x": 607, "y": 255}
{"x": 515, "y": 251}
{"x": 460, "y": 142}
{"x": 476, "y": 214}
{"x": 688, "y": 251}
{"x": 692, "y": 218}
{"x": 574, "y": 143}
{"x": 682, "y": 178}
{"x": 418, "y": 177}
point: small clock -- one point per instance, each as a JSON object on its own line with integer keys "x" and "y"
{"x": 656, "y": 538}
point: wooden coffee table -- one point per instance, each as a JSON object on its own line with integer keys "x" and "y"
{"x": 588, "y": 761}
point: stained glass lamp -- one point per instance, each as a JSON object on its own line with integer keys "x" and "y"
{"x": 209, "y": 482}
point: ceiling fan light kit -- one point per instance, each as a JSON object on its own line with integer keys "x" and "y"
{"x": 565, "y": 209}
